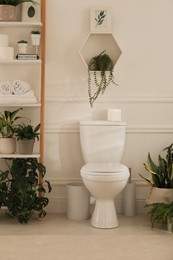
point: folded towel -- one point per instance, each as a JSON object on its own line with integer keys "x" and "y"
{"x": 5, "y": 88}
{"x": 20, "y": 87}
{"x": 27, "y": 98}
{"x": 20, "y": 101}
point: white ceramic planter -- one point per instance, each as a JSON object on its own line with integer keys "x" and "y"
{"x": 7, "y": 145}
{"x": 22, "y": 48}
{"x": 157, "y": 195}
{"x": 7, "y": 13}
{"x": 26, "y": 146}
{"x": 35, "y": 39}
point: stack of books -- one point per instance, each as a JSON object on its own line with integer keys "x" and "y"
{"x": 27, "y": 57}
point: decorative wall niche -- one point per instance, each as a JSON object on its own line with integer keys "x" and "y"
{"x": 95, "y": 43}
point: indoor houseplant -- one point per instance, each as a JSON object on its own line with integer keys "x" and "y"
{"x": 161, "y": 181}
{"x": 25, "y": 193}
{"x": 162, "y": 212}
{"x": 100, "y": 71}
{"x": 14, "y": 2}
{"x": 26, "y": 136}
{"x": 7, "y": 130}
{"x": 7, "y": 9}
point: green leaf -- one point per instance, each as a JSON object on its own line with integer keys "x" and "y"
{"x": 147, "y": 180}
{"x": 4, "y": 175}
{"x": 49, "y": 186}
{"x": 151, "y": 165}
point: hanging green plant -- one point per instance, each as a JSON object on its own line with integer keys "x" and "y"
{"x": 100, "y": 72}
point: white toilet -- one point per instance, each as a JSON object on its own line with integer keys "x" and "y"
{"x": 102, "y": 144}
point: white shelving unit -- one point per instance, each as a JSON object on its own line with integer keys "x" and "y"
{"x": 32, "y": 71}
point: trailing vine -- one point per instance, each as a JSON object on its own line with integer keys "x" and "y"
{"x": 101, "y": 80}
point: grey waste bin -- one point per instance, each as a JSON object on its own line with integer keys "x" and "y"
{"x": 78, "y": 201}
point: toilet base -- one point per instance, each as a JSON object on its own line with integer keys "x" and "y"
{"x": 104, "y": 215}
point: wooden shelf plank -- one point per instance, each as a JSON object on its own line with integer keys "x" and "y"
{"x": 17, "y": 155}
{"x": 20, "y": 24}
{"x": 20, "y": 105}
{"x": 18, "y": 62}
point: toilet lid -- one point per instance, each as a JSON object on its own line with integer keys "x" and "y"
{"x": 105, "y": 169}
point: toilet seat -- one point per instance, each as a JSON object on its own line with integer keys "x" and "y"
{"x": 105, "y": 171}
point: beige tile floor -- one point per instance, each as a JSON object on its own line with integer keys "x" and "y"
{"x": 57, "y": 238}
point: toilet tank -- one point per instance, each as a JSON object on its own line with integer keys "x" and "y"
{"x": 102, "y": 141}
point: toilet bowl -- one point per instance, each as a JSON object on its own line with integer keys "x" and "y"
{"x": 102, "y": 144}
{"x": 105, "y": 181}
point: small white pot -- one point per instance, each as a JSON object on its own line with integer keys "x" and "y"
{"x": 22, "y": 48}
{"x": 7, "y": 145}
{"x": 35, "y": 39}
{"x": 26, "y": 146}
{"x": 158, "y": 195}
{"x": 7, "y": 13}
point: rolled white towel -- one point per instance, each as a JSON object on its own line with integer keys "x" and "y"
{"x": 29, "y": 94}
{"x": 6, "y": 88}
{"x": 20, "y": 87}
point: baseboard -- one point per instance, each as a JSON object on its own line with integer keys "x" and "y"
{"x": 58, "y": 197}
{"x": 59, "y": 205}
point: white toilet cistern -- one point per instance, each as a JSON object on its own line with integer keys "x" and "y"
{"x": 102, "y": 144}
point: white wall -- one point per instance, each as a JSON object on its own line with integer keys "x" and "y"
{"x": 143, "y": 30}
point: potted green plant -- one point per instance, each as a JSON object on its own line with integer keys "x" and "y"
{"x": 162, "y": 212}
{"x": 24, "y": 194}
{"x": 161, "y": 181}
{"x": 22, "y": 46}
{"x": 7, "y": 9}
{"x": 7, "y": 130}
{"x": 100, "y": 69}
{"x": 26, "y": 136}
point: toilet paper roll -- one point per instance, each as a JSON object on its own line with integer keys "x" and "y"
{"x": 114, "y": 115}
{"x": 6, "y": 53}
{"x": 3, "y": 40}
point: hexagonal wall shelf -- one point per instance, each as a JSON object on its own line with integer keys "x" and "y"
{"x": 94, "y": 44}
